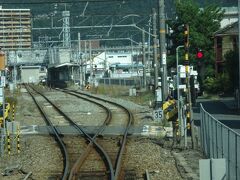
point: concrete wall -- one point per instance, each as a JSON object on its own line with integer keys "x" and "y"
{"x": 59, "y": 56}
{"x": 64, "y": 56}
{"x": 31, "y": 56}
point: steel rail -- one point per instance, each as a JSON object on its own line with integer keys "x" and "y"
{"x": 92, "y": 141}
{"x": 81, "y": 159}
{"x": 124, "y": 139}
{"x": 55, "y": 134}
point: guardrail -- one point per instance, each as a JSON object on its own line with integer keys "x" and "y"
{"x": 220, "y": 141}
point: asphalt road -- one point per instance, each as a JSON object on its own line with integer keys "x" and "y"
{"x": 221, "y": 109}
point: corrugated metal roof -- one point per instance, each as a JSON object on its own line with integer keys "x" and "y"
{"x": 231, "y": 29}
{"x": 65, "y": 64}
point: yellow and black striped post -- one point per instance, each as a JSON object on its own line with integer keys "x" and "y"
{"x": 178, "y": 135}
{"x": 18, "y": 139}
{"x": 188, "y": 93}
{"x": 13, "y": 112}
{"x": 87, "y": 87}
{"x": 186, "y": 47}
{"x": 186, "y": 63}
{"x": 8, "y": 143}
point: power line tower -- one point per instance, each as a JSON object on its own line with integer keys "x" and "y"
{"x": 66, "y": 29}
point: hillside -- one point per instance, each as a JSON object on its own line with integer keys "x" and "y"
{"x": 47, "y": 13}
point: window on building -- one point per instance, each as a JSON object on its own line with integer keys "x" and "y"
{"x": 122, "y": 56}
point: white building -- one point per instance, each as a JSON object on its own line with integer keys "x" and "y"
{"x": 112, "y": 64}
{"x": 230, "y": 16}
{"x": 106, "y": 59}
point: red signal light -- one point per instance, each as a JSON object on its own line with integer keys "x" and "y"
{"x": 199, "y": 54}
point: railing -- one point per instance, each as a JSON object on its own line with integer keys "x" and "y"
{"x": 220, "y": 141}
{"x": 121, "y": 81}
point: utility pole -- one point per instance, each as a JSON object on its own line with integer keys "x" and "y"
{"x": 144, "y": 60}
{"x": 155, "y": 61}
{"x": 179, "y": 103}
{"x": 132, "y": 59}
{"x": 90, "y": 61}
{"x": 163, "y": 54}
{"x": 80, "y": 63}
{"x": 158, "y": 90}
{"x": 238, "y": 54}
{"x": 149, "y": 43}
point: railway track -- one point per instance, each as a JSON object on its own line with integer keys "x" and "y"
{"x": 55, "y": 134}
{"x": 71, "y": 172}
{"x": 117, "y": 160}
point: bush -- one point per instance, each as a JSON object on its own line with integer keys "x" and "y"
{"x": 210, "y": 85}
{"x": 221, "y": 83}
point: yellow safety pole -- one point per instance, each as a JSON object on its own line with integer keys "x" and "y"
{"x": 177, "y": 129}
{"x": 190, "y": 129}
{"x": 13, "y": 112}
{"x": 8, "y": 143}
{"x": 18, "y": 139}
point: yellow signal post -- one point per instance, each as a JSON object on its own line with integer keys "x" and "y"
{"x": 189, "y": 122}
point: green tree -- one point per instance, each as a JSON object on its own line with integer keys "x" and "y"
{"x": 203, "y": 22}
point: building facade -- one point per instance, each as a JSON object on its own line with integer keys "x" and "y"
{"x": 15, "y": 28}
{"x": 225, "y": 39}
{"x": 230, "y": 16}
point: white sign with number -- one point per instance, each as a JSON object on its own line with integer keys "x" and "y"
{"x": 158, "y": 114}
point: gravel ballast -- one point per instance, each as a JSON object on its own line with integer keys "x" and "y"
{"x": 41, "y": 155}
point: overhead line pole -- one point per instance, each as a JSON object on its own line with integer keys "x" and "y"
{"x": 155, "y": 62}
{"x": 81, "y": 74}
{"x": 238, "y": 55}
{"x": 163, "y": 54}
{"x": 144, "y": 60}
{"x": 158, "y": 91}
{"x": 91, "y": 62}
{"x": 149, "y": 43}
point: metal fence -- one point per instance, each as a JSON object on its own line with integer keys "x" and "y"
{"x": 121, "y": 81}
{"x": 219, "y": 141}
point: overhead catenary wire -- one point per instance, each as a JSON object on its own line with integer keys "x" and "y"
{"x": 56, "y": 1}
